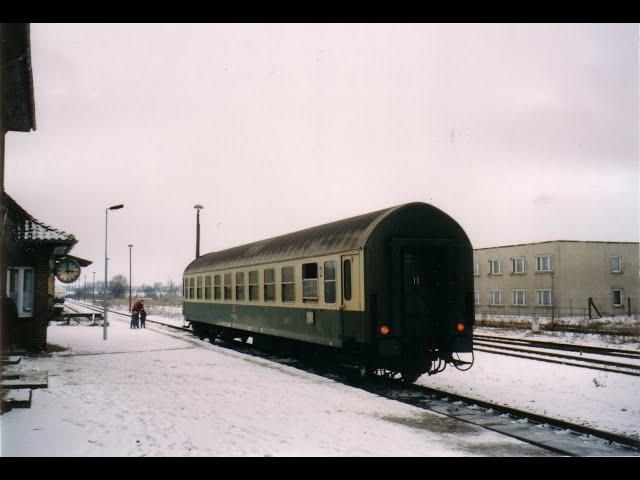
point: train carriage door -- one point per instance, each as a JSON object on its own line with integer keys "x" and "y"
{"x": 350, "y": 282}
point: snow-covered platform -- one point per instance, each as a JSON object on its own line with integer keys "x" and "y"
{"x": 143, "y": 392}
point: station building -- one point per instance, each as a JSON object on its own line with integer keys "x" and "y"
{"x": 29, "y": 249}
{"x": 560, "y": 275}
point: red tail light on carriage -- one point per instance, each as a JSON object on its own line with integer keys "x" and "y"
{"x": 384, "y": 330}
{"x": 460, "y": 327}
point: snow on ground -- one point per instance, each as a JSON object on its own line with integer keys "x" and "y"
{"x": 145, "y": 393}
{"x": 608, "y": 401}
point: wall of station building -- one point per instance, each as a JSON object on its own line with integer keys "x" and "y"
{"x": 30, "y": 332}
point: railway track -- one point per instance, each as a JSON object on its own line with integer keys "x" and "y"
{"x": 595, "y": 358}
{"x": 555, "y": 435}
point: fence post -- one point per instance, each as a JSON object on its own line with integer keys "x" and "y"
{"x": 590, "y": 308}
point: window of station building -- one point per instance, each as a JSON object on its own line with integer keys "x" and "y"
{"x": 192, "y": 283}
{"x": 227, "y": 286}
{"x": 494, "y": 267}
{"x": 617, "y": 297}
{"x": 330, "y": 282}
{"x": 309, "y": 282}
{"x": 216, "y": 287}
{"x": 543, "y": 263}
{"x": 495, "y": 297}
{"x": 269, "y": 278}
{"x": 518, "y": 265}
{"x": 20, "y": 289}
{"x": 207, "y": 287}
{"x": 476, "y": 297}
{"x": 476, "y": 268}
{"x": 346, "y": 279}
{"x": 254, "y": 290}
{"x": 199, "y": 288}
{"x": 519, "y": 297}
{"x": 616, "y": 264}
{"x": 240, "y": 286}
{"x": 544, "y": 298}
{"x": 288, "y": 285}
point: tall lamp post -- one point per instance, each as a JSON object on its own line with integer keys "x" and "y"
{"x": 198, "y": 207}
{"x": 106, "y": 222}
{"x": 130, "y": 247}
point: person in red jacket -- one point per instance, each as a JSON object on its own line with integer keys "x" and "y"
{"x": 135, "y": 313}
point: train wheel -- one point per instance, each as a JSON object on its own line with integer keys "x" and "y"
{"x": 409, "y": 376}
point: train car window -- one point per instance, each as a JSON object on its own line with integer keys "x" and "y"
{"x": 330, "y": 282}
{"x": 288, "y": 285}
{"x": 240, "y": 286}
{"x": 227, "y": 286}
{"x": 207, "y": 287}
{"x": 309, "y": 282}
{"x": 185, "y": 292}
{"x": 346, "y": 279}
{"x": 269, "y": 285}
{"x": 253, "y": 286}
{"x": 192, "y": 282}
{"x": 199, "y": 288}
{"x": 216, "y": 287}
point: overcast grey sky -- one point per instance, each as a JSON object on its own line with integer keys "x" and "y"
{"x": 521, "y": 133}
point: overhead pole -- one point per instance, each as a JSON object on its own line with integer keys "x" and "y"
{"x": 198, "y": 207}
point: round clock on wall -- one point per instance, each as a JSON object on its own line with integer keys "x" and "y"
{"x": 68, "y": 270}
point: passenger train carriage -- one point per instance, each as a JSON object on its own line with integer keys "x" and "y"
{"x": 391, "y": 290}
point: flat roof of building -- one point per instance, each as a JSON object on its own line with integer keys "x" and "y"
{"x": 557, "y": 241}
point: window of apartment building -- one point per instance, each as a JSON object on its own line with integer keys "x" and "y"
{"x": 216, "y": 287}
{"x": 240, "y": 286}
{"x": 476, "y": 268}
{"x": 330, "y": 282}
{"x": 227, "y": 286}
{"x": 476, "y": 297}
{"x": 544, "y": 298}
{"x": 494, "y": 267}
{"x": 519, "y": 297}
{"x": 207, "y": 287}
{"x": 288, "y": 285}
{"x": 269, "y": 278}
{"x": 254, "y": 290}
{"x": 310, "y": 282}
{"x": 616, "y": 264}
{"x": 617, "y": 297}
{"x": 495, "y": 297}
{"x": 20, "y": 289}
{"x": 199, "y": 288}
{"x": 543, "y": 263}
{"x": 518, "y": 265}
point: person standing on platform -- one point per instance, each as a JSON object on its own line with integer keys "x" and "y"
{"x": 143, "y": 316}
{"x": 135, "y": 313}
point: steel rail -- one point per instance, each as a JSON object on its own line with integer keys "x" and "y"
{"x": 614, "y": 352}
{"x": 558, "y": 355}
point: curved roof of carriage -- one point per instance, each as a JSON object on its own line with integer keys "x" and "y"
{"x": 343, "y": 235}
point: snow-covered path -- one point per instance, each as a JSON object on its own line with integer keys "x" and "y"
{"x": 149, "y": 393}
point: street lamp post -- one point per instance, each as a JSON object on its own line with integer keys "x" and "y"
{"x": 130, "y": 247}
{"x": 104, "y": 314}
{"x": 198, "y": 207}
